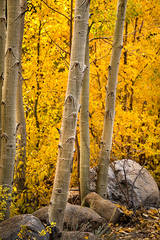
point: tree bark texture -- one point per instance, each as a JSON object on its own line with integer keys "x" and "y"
{"x": 2, "y": 54}
{"x": 69, "y": 120}
{"x": 20, "y": 164}
{"x": 84, "y": 129}
{"x": 9, "y": 95}
{"x": 106, "y": 143}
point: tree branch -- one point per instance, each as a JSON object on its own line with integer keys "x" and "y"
{"x": 56, "y": 43}
{"x": 54, "y": 10}
{"x": 101, "y": 38}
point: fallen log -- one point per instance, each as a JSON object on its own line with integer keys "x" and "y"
{"x": 105, "y": 208}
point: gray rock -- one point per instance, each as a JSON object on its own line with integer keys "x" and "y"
{"x": 75, "y": 218}
{"x": 132, "y": 185}
{"x": 42, "y": 214}
{"x": 29, "y": 226}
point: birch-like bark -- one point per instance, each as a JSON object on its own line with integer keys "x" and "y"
{"x": 2, "y": 54}
{"x": 20, "y": 164}
{"x": 69, "y": 120}
{"x": 106, "y": 144}
{"x": 84, "y": 129}
{"x": 9, "y": 95}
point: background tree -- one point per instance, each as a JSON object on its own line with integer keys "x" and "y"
{"x": 2, "y": 54}
{"x": 84, "y": 129}
{"x": 69, "y": 120}
{"x": 49, "y": 108}
{"x": 106, "y": 142}
{"x": 9, "y": 96}
{"x": 20, "y": 164}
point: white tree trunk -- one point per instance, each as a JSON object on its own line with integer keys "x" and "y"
{"x": 20, "y": 164}
{"x": 69, "y": 120}
{"x": 9, "y": 94}
{"x": 84, "y": 129}
{"x": 2, "y": 54}
{"x": 106, "y": 143}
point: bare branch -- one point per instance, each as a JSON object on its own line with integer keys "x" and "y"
{"x": 138, "y": 175}
{"x": 118, "y": 182}
{"x": 102, "y": 56}
{"x": 56, "y": 11}
{"x": 60, "y": 49}
{"x": 125, "y": 176}
{"x": 101, "y": 38}
{"x": 52, "y": 41}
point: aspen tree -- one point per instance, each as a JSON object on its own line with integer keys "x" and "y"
{"x": 84, "y": 129}
{"x": 69, "y": 120}
{"x": 20, "y": 165}
{"x": 106, "y": 143}
{"x": 9, "y": 95}
{"x": 2, "y": 54}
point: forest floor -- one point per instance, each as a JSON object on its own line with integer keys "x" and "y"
{"x": 142, "y": 224}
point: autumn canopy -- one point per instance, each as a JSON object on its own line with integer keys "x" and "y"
{"x": 46, "y": 53}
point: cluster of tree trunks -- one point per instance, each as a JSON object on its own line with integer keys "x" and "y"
{"x": 11, "y": 110}
{"x": 79, "y": 70}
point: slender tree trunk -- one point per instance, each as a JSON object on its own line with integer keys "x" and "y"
{"x": 135, "y": 29}
{"x": 2, "y": 54}
{"x": 9, "y": 95}
{"x": 125, "y": 43}
{"x": 71, "y": 25}
{"x": 77, "y": 148}
{"x": 69, "y": 120}
{"x": 106, "y": 143}
{"x": 84, "y": 129}
{"x": 38, "y": 83}
{"x": 125, "y": 63}
{"x": 20, "y": 166}
{"x": 132, "y": 81}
